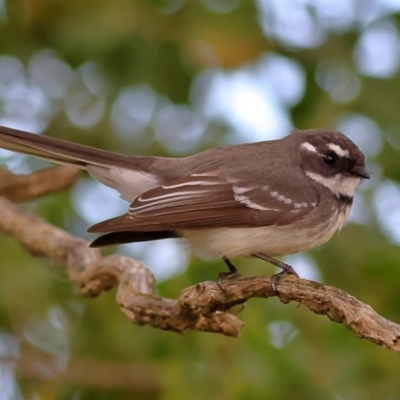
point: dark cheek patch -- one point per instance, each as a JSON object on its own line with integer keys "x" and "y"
{"x": 348, "y": 164}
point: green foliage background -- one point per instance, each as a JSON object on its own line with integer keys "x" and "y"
{"x": 56, "y": 345}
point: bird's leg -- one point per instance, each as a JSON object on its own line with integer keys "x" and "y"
{"x": 232, "y": 268}
{"x": 233, "y": 272}
{"x": 286, "y": 269}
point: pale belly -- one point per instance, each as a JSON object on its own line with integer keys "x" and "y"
{"x": 271, "y": 240}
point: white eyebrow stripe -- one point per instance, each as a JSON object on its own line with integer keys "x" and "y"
{"x": 309, "y": 147}
{"x": 338, "y": 150}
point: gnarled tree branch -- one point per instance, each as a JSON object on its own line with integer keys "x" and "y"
{"x": 21, "y": 188}
{"x": 202, "y": 307}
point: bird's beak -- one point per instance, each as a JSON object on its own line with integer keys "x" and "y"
{"x": 360, "y": 171}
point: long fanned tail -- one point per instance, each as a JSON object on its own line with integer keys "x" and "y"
{"x": 59, "y": 151}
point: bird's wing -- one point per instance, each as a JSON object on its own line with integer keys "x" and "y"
{"x": 208, "y": 201}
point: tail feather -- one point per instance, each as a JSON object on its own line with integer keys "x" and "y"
{"x": 129, "y": 175}
{"x": 58, "y": 150}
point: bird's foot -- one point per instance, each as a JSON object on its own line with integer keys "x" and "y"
{"x": 286, "y": 269}
{"x": 232, "y": 274}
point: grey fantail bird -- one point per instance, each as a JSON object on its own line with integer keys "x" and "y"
{"x": 263, "y": 199}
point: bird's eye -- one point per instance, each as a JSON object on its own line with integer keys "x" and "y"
{"x": 329, "y": 158}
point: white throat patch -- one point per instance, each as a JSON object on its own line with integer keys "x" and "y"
{"x": 340, "y": 185}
